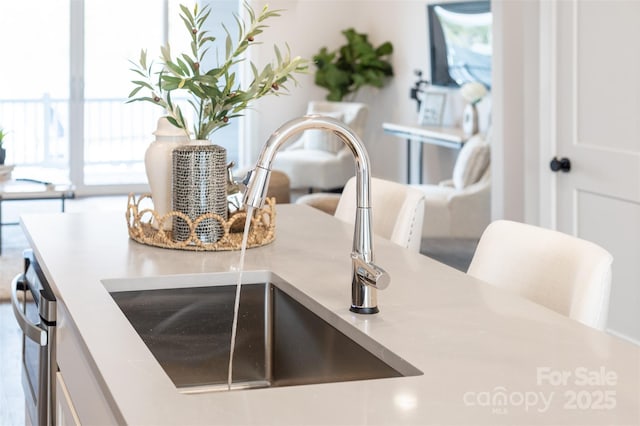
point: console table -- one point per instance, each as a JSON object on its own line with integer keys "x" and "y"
{"x": 27, "y": 190}
{"x": 448, "y": 137}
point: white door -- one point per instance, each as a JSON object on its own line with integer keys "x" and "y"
{"x": 597, "y": 127}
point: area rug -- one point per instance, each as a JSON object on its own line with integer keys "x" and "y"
{"x": 11, "y": 263}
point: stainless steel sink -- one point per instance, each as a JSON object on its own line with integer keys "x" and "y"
{"x": 280, "y": 341}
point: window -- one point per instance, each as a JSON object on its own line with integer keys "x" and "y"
{"x": 34, "y": 88}
{"x": 63, "y": 102}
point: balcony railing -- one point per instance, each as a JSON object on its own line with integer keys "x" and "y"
{"x": 116, "y": 136}
{"x": 38, "y": 131}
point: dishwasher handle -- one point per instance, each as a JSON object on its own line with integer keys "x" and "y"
{"x": 31, "y": 330}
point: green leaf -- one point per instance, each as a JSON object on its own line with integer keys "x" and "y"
{"x": 187, "y": 16}
{"x": 204, "y": 15}
{"x": 228, "y": 43}
{"x": 142, "y": 84}
{"x": 188, "y": 23}
{"x": 173, "y": 121}
{"x": 183, "y": 66}
{"x": 137, "y": 71}
{"x": 385, "y": 49}
{"x": 170, "y": 83}
{"x": 145, "y": 99}
{"x": 134, "y": 92}
{"x": 173, "y": 68}
{"x": 165, "y": 52}
{"x": 189, "y": 61}
{"x": 278, "y": 55}
{"x": 143, "y": 58}
{"x": 194, "y": 49}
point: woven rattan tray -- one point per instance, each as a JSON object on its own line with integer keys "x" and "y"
{"x": 146, "y": 227}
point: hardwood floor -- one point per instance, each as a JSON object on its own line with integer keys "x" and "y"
{"x": 11, "y": 395}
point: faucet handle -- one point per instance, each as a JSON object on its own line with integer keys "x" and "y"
{"x": 370, "y": 273}
{"x": 257, "y": 186}
{"x": 246, "y": 178}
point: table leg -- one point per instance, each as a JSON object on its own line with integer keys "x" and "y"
{"x": 1, "y": 227}
{"x": 408, "y": 161}
{"x": 420, "y": 161}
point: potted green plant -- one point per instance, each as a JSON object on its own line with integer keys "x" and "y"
{"x": 3, "y": 151}
{"x": 355, "y": 64}
{"x": 214, "y": 95}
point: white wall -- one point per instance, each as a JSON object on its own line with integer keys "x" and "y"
{"x": 308, "y": 25}
{"x": 507, "y": 154}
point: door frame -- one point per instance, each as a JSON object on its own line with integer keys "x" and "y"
{"x": 548, "y": 67}
{"x": 524, "y": 130}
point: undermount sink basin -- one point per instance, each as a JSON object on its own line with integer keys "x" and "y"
{"x": 283, "y": 337}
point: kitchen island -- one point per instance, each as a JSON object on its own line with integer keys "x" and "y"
{"x": 486, "y": 357}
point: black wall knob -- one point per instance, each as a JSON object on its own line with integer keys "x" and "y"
{"x": 563, "y": 164}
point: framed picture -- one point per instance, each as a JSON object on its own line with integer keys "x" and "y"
{"x": 431, "y": 109}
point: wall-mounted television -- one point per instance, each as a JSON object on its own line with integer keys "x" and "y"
{"x": 460, "y": 42}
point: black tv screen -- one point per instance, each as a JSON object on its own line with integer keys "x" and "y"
{"x": 460, "y": 42}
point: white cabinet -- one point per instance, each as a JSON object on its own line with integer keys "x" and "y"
{"x": 65, "y": 412}
{"x": 86, "y": 402}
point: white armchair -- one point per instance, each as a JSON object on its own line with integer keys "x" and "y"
{"x": 319, "y": 159}
{"x": 461, "y": 207}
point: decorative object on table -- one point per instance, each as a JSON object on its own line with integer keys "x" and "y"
{"x": 419, "y": 89}
{"x": 5, "y": 172}
{"x": 3, "y": 151}
{"x": 158, "y": 161}
{"x": 140, "y": 215}
{"x": 472, "y": 93}
{"x": 200, "y": 188}
{"x": 431, "y": 109}
{"x": 215, "y": 95}
{"x": 357, "y": 63}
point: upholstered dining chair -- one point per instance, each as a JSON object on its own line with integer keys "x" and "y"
{"x": 397, "y": 209}
{"x": 564, "y": 273}
{"x": 319, "y": 159}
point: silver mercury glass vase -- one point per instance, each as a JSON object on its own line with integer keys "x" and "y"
{"x": 199, "y": 187}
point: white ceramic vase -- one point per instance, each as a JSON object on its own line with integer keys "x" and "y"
{"x": 158, "y": 162}
{"x": 470, "y": 120}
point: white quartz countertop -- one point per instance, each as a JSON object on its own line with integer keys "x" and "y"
{"x": 487, "y": 357}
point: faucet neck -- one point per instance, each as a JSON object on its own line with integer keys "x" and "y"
{"x": 349, "y": 137}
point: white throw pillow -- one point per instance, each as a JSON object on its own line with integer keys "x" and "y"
{"x": 324, "y": 140}
{"x": 472, "y": 162}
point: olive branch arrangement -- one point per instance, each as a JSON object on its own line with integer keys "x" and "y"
{"x": 215, "y": 95}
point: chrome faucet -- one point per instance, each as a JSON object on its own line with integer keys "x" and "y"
{"x": 366, "y": 276}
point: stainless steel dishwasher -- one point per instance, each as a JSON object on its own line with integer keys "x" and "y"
{"x": 35, "y": 312}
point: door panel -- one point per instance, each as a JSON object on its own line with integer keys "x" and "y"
{"x": 623, "y": 244}
{"x": 608, "y": 68}
{"x": 597, "y": 128}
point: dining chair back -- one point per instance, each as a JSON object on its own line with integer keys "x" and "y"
{"x": 397, "y": 211}
{"x": 564, "y": 273}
